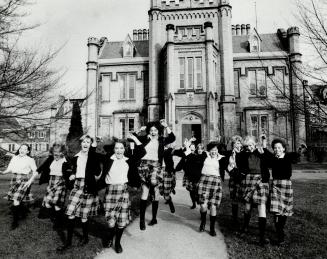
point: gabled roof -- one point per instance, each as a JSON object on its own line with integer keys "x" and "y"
{"x": 269, "y": 43}
{"x": 114, "y": 49}
{"x": 9, "y": 123}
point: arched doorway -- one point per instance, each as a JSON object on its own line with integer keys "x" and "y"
{"x": 192, "y": 127}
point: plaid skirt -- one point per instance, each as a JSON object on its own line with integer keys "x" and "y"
{"x": 235, "y": 190}
{"x": 17, "y": 191}
{"x": 281, "y": 197}
{"x": 150, "y": 170}
{"x": 117, "y": 204}
{"x": 210, "y": 190}
{"x": 254, "y": 190}
{"x": 168, "y": 184}
{"x": 81, "y": 204}
{"x": 190, "y": 186}
{"x": 56, "y": 192}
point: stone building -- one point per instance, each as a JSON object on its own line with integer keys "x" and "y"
{"x": 207, "y": 77}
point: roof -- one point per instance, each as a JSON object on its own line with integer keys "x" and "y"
{"x": 9, "y": 123}
{"x": 114, "y": 49}
{"x": 270, "y": 42}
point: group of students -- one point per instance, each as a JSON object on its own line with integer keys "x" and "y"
{"x": 148, "y": 163}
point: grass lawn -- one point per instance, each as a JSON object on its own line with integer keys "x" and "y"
{"x": 35, "y": 238}
{"x": 306, "y": 230}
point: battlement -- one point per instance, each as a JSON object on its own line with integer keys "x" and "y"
{"x": 181, "y": 4}
{"x": 92, "y": 40}
{"x": 140, "y": 34}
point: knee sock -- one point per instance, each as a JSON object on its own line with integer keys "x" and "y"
{"x": 155, "y": 205}
{"x": 142, "y": 210}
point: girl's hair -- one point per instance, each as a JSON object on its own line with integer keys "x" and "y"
{"x": 28, "y": 149}
{"x": 277, "y": 140}
{"x": 235, "y": 139}
{"x": 250, "y": 139}
{"x": 121, "y": 141}
{"x": 86, "y": 137}
{"x": 200, "y": 145}
{"x": 212, "y": 145}
{"x": 60, "y": 147}
{"x": 155, "y": 124}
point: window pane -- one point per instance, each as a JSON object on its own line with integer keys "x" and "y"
{"x": 190, "y": 73}
{"x": 123, "y": 87}
{"x": 122, "y": 128}
{"x": 264, "y": 125}
{"x": 236, "y": 83}
{"x": 105, "y": 88}
{"x": 182, "y": 73}
{"x": 278, "y": 82}
{"x": 253, "y": 83}
{"x": 131, "y": 125}
{"x": 238, "y": 123}
{"x": 132, "y": 87}
{"x": 261, "y": 83}
{"x": 199, "y": 72}
{"x": 189, "y": 32}
{"x": 254, "y": 125}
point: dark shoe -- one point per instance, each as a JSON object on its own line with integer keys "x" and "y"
{"x": 173, "y": 191}
{"x": 193, "y": 206}
{"x": 202, "y": 227}
{"x": 153, "y": 222}
{"x": 212, "y": 232}
{"x": 171, "y": 206}
{"x": 118, "y": 248}
{"x": 212, "y": 226}
{"x": 142, "y": 225}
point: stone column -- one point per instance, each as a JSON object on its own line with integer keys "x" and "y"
{"x": 227, "y": 99}
{"x": 171, "y": 75}
{"x": 91, "y": 87}
{"x": 155, "y": 47}
{"x": 297, "y": 98}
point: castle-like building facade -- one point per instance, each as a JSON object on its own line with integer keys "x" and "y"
{"x": 207, "y": 77}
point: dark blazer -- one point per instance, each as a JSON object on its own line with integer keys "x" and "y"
{"x": 92, "y": 170}
{"x": 163, "y": 141}
{"x": 44, "y": 170}
{"x": 134, "y": 158}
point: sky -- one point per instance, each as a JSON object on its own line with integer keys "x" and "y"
{"x": 66, "y": 24}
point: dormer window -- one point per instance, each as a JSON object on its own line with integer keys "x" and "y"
{"x": 128, "y": 48}
{"x": 254, "y": 41}
{"x": 255, "y": 45}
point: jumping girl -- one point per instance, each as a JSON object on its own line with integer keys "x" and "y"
{"x": 235, "y": 175}
{"x": 209, "y": 188}
{"x": 21, "y": 166}
{"x": 150, "y": 168}
{"x": 119, "y": 170}
{"x": 255, "y": 186}
{"x": 55, "y": 171}
{"x": 281, "y": 191}
{"x": 83, "y": 199}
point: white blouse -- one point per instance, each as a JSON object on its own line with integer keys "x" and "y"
{"x": 152, "y": 150}
{"x": 118, "y": 171}
{"x": 81, "y": 164}
{"x": 56, "y": 167}
{"x": 211, "y": 166}
{"x": 22, "y": 165}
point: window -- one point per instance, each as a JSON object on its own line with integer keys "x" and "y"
{"x": 190, "y": 73}
{"x": 47, "y": 147}
{"x": 259, "y": 125}
{"x": 104, "y": 126}
{"x": 237, "y": 83}
{"x": 105, "y": 86}
{"x": 279, "y": 82}
{"x": 41, "y": 134}
{"x": 11, "y": 147}
{"x": 127, "y": 86}
{"x": 198, "y": 72}
{"x": 239, "y": 123}
{"x": 126, "y": 126}
{"x": 32, "y": 134}
{"x": 258, "y": 84}
{"x": 182, "y": 73}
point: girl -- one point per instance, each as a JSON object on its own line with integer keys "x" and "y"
{"x": 281, "y": 192}
{"x": 150, "y": 167}
{"x": 21, "y": 166}
{"x": 255, "y": 186}
{"x": 209, "y": 188}
{"x": 55, "y": 171}
{"x": 192, "y": 166}
{"x": 119, "y": 170}
{"x": 169, "y": 180}
{"x": 235, "y": 175}
{"x": 83, "y": 199}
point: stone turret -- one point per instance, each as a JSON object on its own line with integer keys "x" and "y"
{"x": 227, "y": 99}
{"x": 293, "y": 35}
{"x": 91, "y": 83}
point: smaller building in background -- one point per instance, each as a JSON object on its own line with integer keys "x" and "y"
{"x": 61, "y": 114}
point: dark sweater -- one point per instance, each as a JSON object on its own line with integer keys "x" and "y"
{"x": 282, "y": 167}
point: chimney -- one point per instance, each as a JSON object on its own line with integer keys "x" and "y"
{"x": 208, "y": 31}
{"x": 238, "y": 29}
{"x": 170, "y": 28}
{"x": 134, "y": 35}
{"x": 145, "y": 34}
{"x": 243, "y": 29}
{"x": 248, "y": 29}
{"x": 233, "y": 30}
{"x": 140, "y": 35}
